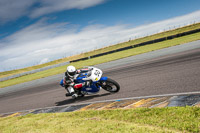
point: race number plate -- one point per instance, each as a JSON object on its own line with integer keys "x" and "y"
{"x": 96, "y": 74}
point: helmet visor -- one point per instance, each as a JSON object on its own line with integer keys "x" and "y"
{"x": 72, "y": 73}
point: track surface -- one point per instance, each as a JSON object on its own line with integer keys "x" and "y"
{"x": 174, "y": 73}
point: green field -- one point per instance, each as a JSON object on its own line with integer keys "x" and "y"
{"x": 102, "y": 50}
{"x": 102, "y": 59}
{"x": 139, "y": 120}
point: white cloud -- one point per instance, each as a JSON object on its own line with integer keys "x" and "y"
{"x": 14, "y": 9}
{"x": 49, "y": 6}
{"x": 41, "y": 41}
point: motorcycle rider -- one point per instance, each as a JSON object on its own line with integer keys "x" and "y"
{"x": 69, "y": 81}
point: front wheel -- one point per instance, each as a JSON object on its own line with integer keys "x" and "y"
{"x": 110, "y": 85}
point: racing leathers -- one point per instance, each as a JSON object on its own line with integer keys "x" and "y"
{"x": 72, "y": 87}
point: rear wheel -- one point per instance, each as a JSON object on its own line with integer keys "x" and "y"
{"x": 110, "y": 85}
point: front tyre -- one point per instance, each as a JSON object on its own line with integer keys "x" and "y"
{"x": 110, "y": 85}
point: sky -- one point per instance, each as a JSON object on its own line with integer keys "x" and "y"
{"x": 38, "y": 31}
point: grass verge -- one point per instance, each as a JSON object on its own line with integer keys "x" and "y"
{"x": 102, "y": 59}
{"x": 106, "y": 49}
{"x": 171, "y": 119}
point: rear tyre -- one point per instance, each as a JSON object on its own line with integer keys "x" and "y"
{"x": 110, "y": 85}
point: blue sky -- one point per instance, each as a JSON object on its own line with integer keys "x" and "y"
{"x": 37, "y": 31}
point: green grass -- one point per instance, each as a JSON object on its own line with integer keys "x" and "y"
{"x": 102, "y": 59}
{"x": 113, "y": 47}
{"x": 140, "y": 120}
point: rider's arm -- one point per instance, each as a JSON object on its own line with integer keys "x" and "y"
{"x": 84, "y": 70}
{"x": 68, "y": 81}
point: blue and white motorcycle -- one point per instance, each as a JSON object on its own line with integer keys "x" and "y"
{"x": 97, "y": 82}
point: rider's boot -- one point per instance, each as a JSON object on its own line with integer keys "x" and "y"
{"x": 74, "y": 96}
{"x": 71, "y": 91}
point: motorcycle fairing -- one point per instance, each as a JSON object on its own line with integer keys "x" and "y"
{"x": 103, "y": 78}
{"x": 93, "y": 88}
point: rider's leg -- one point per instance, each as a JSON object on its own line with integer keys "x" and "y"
{"x": 78, "y": 88}
{"x": 70, "y": 89}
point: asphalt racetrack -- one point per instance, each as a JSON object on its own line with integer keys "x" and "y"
{"x": 176, "y": 72}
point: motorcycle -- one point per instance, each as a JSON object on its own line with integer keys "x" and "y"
{"x": 97, "y": 82}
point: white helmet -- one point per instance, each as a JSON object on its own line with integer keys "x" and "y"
{"x": 71, "y": 70}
